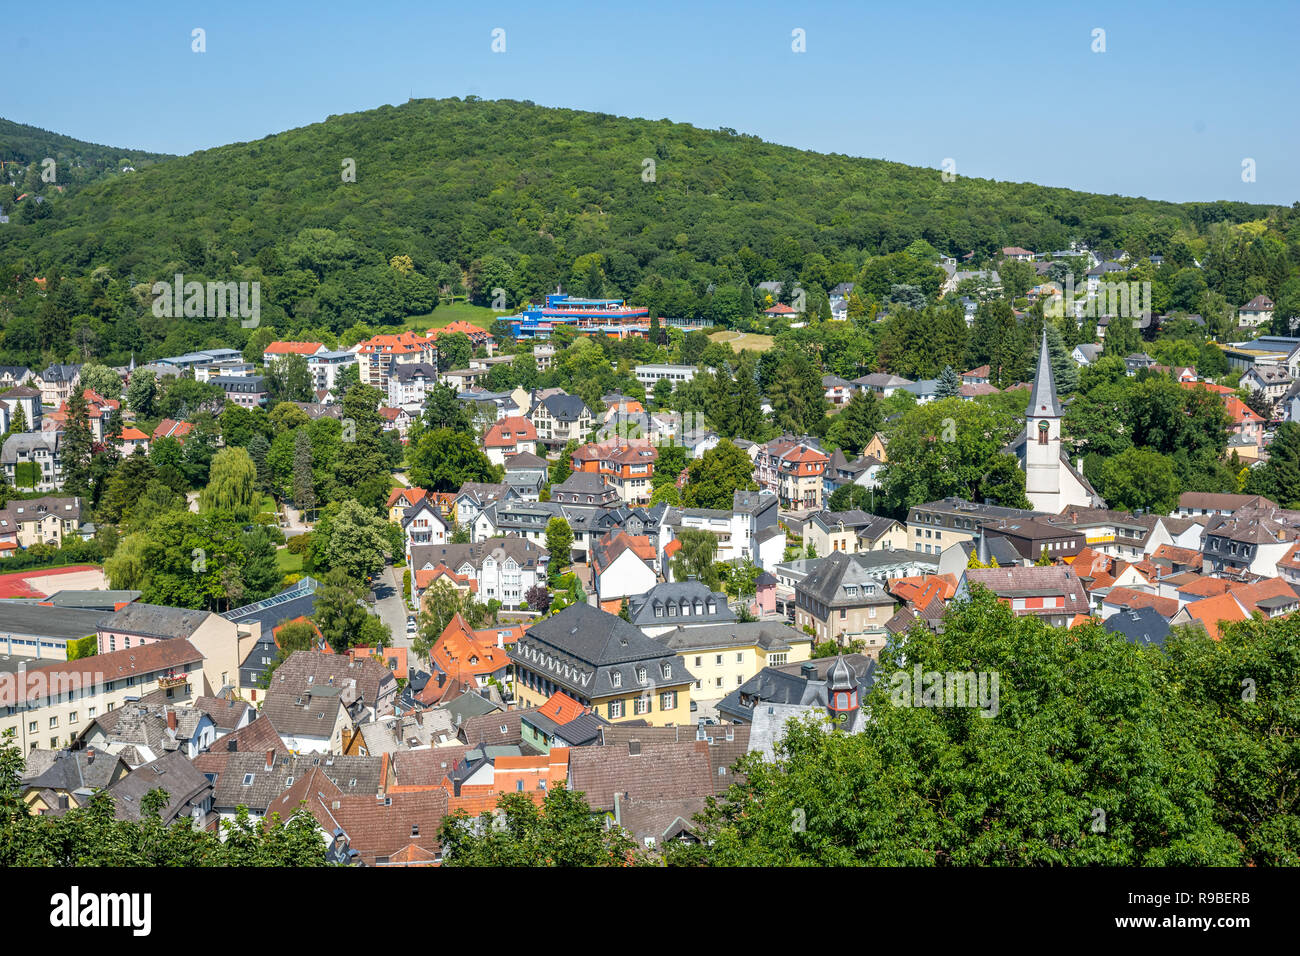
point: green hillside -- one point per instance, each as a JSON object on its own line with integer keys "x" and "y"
{"x": 23, "y": 149}
{"x": 512, "y": 195}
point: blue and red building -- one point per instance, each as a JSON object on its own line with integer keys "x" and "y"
{"x": 591, "y": 316}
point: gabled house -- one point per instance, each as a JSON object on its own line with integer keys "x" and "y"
{"x": 622, "y": 565}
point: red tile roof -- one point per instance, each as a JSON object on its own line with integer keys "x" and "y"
{"x": 1130, "y": 598}
{"x": 460, "y": 655}
{"x": 1212, "y": 610}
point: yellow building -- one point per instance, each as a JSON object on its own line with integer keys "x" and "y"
{"x": 602, "y": 662}
{"x": 724, "y": 656}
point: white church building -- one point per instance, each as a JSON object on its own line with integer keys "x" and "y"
{"x": 1051, "y": 482}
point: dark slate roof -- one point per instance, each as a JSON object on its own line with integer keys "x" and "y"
{"x": 651, "y": 608}
{"x": 788, "y": 684}
{"x": 155, "y": 620}
{"x": 1042, "y": 400}
{"x": 69, "y": 770}
{"x": 185, "y": 785}
{"x": 63, "y": 623}
{"x": 525, "y": 460}
{"x": 769, "y": 635}
{"x": 1145, "y": 626}
{"x": 565, "y": 408}
{"x": 582, "y": 648}
{"x": 293, "y": 602}
{"x": 826, "y": 583}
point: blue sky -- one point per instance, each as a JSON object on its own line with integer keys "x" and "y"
{"x": 1013, "y": 91}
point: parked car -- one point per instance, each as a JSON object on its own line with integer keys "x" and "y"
{"x": 694, "y": 707}
{"x": 410, "y": 624}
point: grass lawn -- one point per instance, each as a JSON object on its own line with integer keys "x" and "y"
{"x": 287, "y": 561}
{"x": 268, "y": 505}
{"x": 739, "y": 341}
{"x": 478, "y": 315}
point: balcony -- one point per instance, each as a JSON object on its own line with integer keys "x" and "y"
{"x": 171, "y": 680}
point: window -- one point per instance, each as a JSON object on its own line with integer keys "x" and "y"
{"x": 697, "y": 660}
{"x": 31, "y": 728}
{"x": 54, "y": 722}
{"x": 668, "y": 700}
{"x": 72, "y": 717}
{"x": 615, "y": 709}
{"x": 666, "y": 669}
{"x": 640, "y": 675}
{"x": 248, "y": 779}
{"x": 717, "y": 659}
{"x": 718, "y": 682}
{"x": 616, "y": 679}
{"x": 642, "y": 705}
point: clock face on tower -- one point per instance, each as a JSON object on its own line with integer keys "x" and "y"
{"x": 1042, "y": 432}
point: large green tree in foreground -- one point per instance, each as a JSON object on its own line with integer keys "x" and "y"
{"x": 1100, "y": 752}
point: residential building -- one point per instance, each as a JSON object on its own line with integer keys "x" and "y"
{"x": 57, "y": 382}
{"x": 48, "y": 705}
{"x": 626, "y": 464}
{"x": 33, "y": 460}
{"x": 409, "y": 383}
{"x": 1255, "y": 313}
{"x": 936, "y": 525}
{"x": 798, "y": 689}
{"x": 560, "y": 418}
{"x": 852, "y": 531}
{"x": 843, "y": 601}
{"x": 325, "y": 367}
{"x": 278, "y": 350}
{"x": 1053, "y": 593}
{"x": 604, "y": 663}
{"x": 1273, "y": 381}
{"x": 622, "y": 565}
{"x": 722, "y": 657}
{"x": 246, "y": 391}
{"x": 503, "y": 569}
{"x": 801, "y": 475}
{"x": 508, "y": 437}
{"x": 50, "y": 520}
{"x": 314, "y": 696}
{"x": 140, "y": 625}
{"x": 585, "y": 487}
{"x": 673, "y": 604}
{"x": 1035, "y": 537}
{"x": 29, "y": 400}
{"x": 380, "y": 355}
{"x": 650, "y": 375}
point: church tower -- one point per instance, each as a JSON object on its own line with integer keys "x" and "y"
{"x": 1043, "y": 437}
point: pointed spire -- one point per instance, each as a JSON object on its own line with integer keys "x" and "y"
{"x": 1042, "y": 399}
{"x": 982, "y": 549}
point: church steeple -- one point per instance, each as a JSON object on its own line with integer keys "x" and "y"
{"x": 1042, "y": 399}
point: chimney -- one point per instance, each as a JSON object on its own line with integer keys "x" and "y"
{"x": 90, "y": 755}
{"x": 171, "y": 719}
{"x": 270, "y": 760}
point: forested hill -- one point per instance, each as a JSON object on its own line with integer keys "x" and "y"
{"x": 509, "y": 193}
{"x": 77, "y": 162}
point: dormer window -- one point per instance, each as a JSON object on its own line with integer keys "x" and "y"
{"x": 640, "y": 675}
{"x": 616, "y": 679}
{"x": 666, "y": 669}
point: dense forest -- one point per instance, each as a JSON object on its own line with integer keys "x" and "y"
{"x": 23, "y": 150}
{"x": 377, "y": 216}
